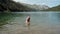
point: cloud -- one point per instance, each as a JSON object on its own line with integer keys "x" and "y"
{"x": 37, "y": 1}
{"x": 22, "y": 1}
{"x": 45, "y": 2}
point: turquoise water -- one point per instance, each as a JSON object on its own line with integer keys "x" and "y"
{"x": 41, "y": 23}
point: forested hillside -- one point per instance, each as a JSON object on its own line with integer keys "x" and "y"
{"x": 11, "y": 5}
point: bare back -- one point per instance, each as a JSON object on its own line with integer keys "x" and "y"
{"x": 28, "y": 21}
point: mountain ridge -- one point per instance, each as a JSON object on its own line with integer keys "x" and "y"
{"x": 55, "y": 8}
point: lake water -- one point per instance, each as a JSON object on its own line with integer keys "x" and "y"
{"x": 41, "y": 23}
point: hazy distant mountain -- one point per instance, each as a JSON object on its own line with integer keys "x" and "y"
{"x": 36, "y": 7}
{"x": 56, "y": 8}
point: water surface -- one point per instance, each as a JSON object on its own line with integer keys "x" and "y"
{"x": 41, "y": 23}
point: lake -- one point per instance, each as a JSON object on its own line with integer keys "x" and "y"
{"x": 41, "y": 23}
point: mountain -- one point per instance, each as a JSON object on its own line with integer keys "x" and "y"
{"x": 56, "y": 8}
{"x": 11, "y": 6}
{"x": 36, "y": 7}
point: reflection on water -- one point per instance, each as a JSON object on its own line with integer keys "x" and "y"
{"x": 41, "y": 23}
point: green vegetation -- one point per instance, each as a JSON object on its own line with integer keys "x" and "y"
{"x": 56, "y": 8}
{"x": 10, "y": 5}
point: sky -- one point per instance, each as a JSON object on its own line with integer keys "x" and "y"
{"x": 50, "y": 3}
